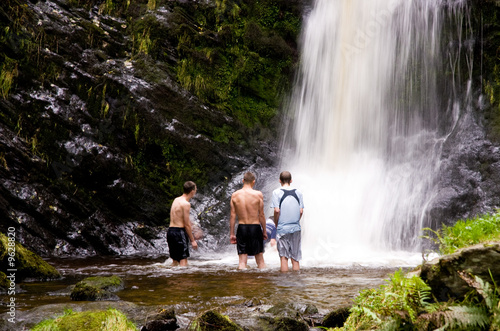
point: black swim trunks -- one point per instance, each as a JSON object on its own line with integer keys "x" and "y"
{"x": 178, "y": 243}
{"x": 249, "y": 239}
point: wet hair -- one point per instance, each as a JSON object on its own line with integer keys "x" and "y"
{"x": 286, "y": 177}
{"x": 189, "y": 186}
{"x": 248, "y": 178}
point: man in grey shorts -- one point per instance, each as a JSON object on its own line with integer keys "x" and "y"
{"x": 288, "y": 207}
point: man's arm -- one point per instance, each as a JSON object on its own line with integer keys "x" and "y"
{"x": 276, "y": 215}
{"x": 262, "y": 218}
{"x": 187, "y": 224}
{"x": 232, "y": 221}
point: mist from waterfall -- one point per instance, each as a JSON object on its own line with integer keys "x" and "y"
{"x": 373, "y": 103}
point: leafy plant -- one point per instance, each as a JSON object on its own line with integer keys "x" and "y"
{"x": 399, "y": 302}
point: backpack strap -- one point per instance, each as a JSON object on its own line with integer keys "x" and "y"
{"x": 289, "y": 193}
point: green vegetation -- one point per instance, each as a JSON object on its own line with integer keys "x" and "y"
{"x": 237, "y": 55}
{"x": 405, "y": 303}
{"x": 27, "y": 263}
{"x": 109, "y": 320}
{"x": 466, "y": 233}
{"x": 398, "y": 302}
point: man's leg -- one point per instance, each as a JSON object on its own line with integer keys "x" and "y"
{"x": 175, "y": 263}
{"x": 295, "y": 265}
{"x": 259, "y": 258}
{"x": 243, "y": 261}
{"x": 284, "y": 264}
{"x": 183, "y": 262}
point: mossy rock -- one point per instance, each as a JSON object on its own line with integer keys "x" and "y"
{"x": 27, "y": 264}
{"x": 212, "y": 320}
{"x": 97, "y": 288}
{"x": 97, "y": 320}
{"x": 336, "y": 318}
{"x": 4, "y": 283}
{"x": 289, "y": 324}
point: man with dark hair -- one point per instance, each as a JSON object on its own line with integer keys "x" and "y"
{"x": 288, "y": 207}
{"x": 179, "y": 232}
{"x": 248, "y": 205}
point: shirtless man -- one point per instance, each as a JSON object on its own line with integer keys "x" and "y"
{"x": 248, "y": 205}
{"x": 179, "y": 231}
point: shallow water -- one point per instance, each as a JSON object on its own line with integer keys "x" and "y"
{"x": 210, "y": 282}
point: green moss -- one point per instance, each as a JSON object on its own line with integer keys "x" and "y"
{"x": 27, "y": 263}
{"x": 110, "y": 319}
{"x": 4, "y": 283}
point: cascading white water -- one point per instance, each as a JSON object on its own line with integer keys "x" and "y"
{"x": 365, "y": 136}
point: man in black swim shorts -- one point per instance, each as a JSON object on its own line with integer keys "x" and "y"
{"x": 179, "y": 232}
{"x": 248, "y": 205}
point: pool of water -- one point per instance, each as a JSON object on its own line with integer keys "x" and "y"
{"x": 209, "y": 282}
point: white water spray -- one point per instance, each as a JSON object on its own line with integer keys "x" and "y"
{"x": 365, "y": 138}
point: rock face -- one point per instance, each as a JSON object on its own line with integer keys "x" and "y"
{"x": 441, "y": 274}
{"x": 96, "y": 133}
{"x": 101, "y": 120}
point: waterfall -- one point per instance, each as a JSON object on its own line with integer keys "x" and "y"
{"x": 372, "y": 105}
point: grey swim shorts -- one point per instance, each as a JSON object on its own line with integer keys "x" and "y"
{"x": 289, "y": 245}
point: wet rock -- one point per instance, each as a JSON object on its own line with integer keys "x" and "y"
{"x": 286, "y": 324}
{"x": 97, "y": 288}
{"x": 212, "y": 320}
{"x": 289, "y": 316}
{"x": 336, "y": 318}
{"x": 293, "y": 310}
{"x": 164, "y": 320}
{"x": 28, "y": 265}
{"x": 441, "y": 274}
{"x": 253, "y": 302}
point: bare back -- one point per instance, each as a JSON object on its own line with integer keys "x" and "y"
{"x": 248, "y": 204}
{"x": 179, "y": 213}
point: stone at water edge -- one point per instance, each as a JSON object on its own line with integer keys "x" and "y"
{"x": 441, "y": 274}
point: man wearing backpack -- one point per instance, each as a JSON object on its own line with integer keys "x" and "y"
{"x": 288, "y": 207}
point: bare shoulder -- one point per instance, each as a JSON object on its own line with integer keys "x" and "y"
{"x": 236, "y": 194}
{"x": 259, "y": 194}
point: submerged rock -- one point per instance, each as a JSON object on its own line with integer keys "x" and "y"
{"x": 441, "y": 274}
{"x": 97, "y": 288}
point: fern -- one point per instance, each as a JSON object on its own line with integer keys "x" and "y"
{"x": 464, "y": 317}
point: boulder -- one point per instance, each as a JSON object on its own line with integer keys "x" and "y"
{"x": 441, "y": 274}
{"x": 97, "y": 288}
{"x": 164, "y": 320}
{"x": 212, "y": 320}
{"x": 336, "y": 318}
